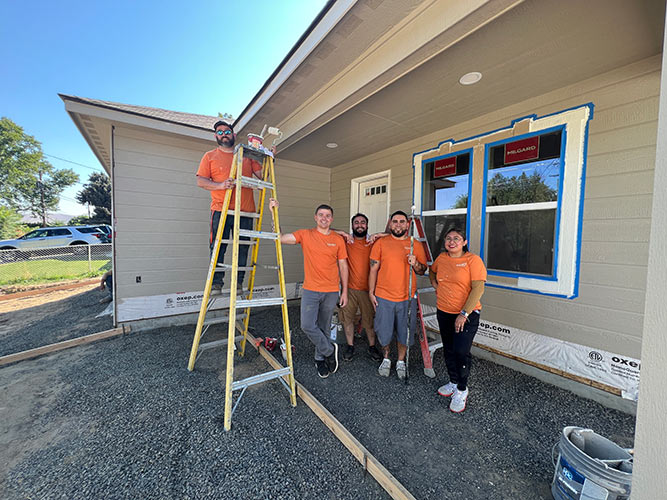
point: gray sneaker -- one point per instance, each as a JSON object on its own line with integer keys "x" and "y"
{"x": 385, "y": 367}
{"x": 401, "y": 369}
{"x": 216, "y": 289}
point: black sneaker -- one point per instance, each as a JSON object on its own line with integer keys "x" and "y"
{"x": 322, "y": 368}
{"x": 374, "y": 353}
{"x": 349, "y": 352}
{"x": 332, "y": 360}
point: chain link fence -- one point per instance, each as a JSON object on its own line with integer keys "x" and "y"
{"x": 52, "y": 264}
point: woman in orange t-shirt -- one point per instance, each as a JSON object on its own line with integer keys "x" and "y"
{"x": 458, "y": 277}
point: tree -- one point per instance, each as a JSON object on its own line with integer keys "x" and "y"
{"x": 27, "y": 181}
{"x": 10, "y": 224}
{"x": 97, "y": 192}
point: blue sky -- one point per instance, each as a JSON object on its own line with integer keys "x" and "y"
{"x": 199, "y": 57}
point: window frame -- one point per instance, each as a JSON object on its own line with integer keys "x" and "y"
{"x": 542, "y": 205}
{"x": 575, "y": 123}
{"x": 449, "y": 211}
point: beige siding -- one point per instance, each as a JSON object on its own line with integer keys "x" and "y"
{"x": 162, "y": 216}
{"x": 608, "y": 313}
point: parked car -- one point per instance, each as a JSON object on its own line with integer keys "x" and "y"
{"x": 56, "y": 237}
{"x": 106, "y": 229}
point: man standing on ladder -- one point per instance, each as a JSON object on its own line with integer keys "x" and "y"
{"x": 213, "y": 176}
{"x": 358, "y": 252}
{"x": 388, "y": 289}
{"x": 325, "y": 273}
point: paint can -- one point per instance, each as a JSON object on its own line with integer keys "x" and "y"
{"x": 590, "y": 467}
{"x": 255, "y": 141}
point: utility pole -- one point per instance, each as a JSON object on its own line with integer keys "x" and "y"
{"x": 41, "y": 196}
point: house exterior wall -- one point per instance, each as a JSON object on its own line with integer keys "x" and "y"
{"x": 608, "y": 312}
{"x": 162, "y": 218}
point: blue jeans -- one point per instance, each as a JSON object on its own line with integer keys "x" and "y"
{"x": 245, "y": 223}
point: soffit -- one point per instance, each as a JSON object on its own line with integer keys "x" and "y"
{"x": 363, "y": 25}
{"x": 536, "y": 47}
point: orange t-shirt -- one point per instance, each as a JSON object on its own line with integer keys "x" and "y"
{"x": 216, "y": 165}
{"x": 392, "y": 254}
{"x": 321, "y": 253}
{"x": 455, "y": 277}
{"x": 358, "y": 255}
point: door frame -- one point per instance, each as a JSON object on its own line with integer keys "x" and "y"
{"x": 354, "y": 189}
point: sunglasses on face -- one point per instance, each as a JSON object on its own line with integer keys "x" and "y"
{"x": 223, "y": 132}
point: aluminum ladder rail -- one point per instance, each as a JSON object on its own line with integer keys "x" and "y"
{"x": 267, "y": 183}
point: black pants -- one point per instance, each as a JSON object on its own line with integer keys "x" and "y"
{"x": 456, "y": 346}
{"x": 245, "y": 223}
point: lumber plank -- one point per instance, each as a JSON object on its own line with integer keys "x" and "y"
{"x": 59, "y": 346}
{"x": 384, "y": 478}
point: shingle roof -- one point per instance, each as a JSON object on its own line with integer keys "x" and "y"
{"x": 203, "y": 122}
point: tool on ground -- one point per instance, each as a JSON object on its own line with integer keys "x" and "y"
{"x": 268, "y": 182}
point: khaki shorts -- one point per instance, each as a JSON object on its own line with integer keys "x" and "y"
{"x": 357, "y": 299}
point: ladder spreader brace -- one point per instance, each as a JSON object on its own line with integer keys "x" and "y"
{"x": 232, "y": 318}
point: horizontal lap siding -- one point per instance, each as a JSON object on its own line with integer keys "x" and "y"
{"x": 608, "y": 314}
{"x": 162, "y": 217}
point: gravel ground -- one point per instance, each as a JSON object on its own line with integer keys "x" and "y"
{"x": 499, "y": 448}
{"x": 124, "y": 418}
{"x": 45, "y": 324}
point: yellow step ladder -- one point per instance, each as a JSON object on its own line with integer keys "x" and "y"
{"x": 236, "y": 304}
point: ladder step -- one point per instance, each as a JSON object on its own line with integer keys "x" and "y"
{"x": 254, "y": 215}
{"x": 426, "y": 317}
{"x": 273, "y": 301}
{"x": 216, "y": 343}
{"x": 428, "y": 289}
{"x": 221, "y": 319}
{"x": 251, "y": 182}
{"x": 262, "y": 377}
{"x": 225, "y": 267}
{"x": 258, "y": 234}
{"x": 241, "y": 242}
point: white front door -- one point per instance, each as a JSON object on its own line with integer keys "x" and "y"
{"x": 373, "y": 196}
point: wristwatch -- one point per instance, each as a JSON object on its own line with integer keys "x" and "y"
{"x": 464, "y": 314}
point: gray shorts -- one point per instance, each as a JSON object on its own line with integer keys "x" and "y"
{"x": 393, "y": 316}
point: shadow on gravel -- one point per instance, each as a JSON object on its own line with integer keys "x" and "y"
{"x": 53, "y": 322}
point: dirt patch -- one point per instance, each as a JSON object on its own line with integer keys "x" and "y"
{"x": 46, "y": 297}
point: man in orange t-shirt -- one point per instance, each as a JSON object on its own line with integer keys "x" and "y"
{"x": 213, "y": 176}
{"x": 388, "y": 281}
{"x": 324, "y": 269}
{"x": 358, "y": 263}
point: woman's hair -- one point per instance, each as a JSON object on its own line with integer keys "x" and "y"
{"x": 462, "y": 233}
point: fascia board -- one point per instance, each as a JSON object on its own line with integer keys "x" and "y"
{"x": 131, "y": 119}
{"x": 330, "y": 20}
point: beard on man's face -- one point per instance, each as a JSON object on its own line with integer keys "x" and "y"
{"x": 225, "y": 141}
{"x": 398, "y": 232}
{"x": 360, "y": 232}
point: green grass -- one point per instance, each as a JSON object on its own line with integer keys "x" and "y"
{"x": 42, "y": 271}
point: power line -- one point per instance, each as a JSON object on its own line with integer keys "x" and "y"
{"x": 73, "y": 162}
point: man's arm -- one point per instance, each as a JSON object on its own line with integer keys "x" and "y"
{"x": 346, "y": 236}
{"x": 416, "y": 265}
{"x": 210, "y": 185}
{"x": 287, "y": 238}
{"x": 372, "y": 280}
{"x": 343, "y": 271}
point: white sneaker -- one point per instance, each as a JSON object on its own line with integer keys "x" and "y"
{"x": 447, "y": 389}
{"x": 385, "y": 367}
{"x": 458, "y": 402}
{"x": 400, "y": 369}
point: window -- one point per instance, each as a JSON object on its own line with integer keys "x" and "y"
{"x": 61, "y": 231}
{"x": 518, "y": 193}
{"x": 446, "y": 192}
{"x": 522, "y": 185}
{"x": 39, "y": 233}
